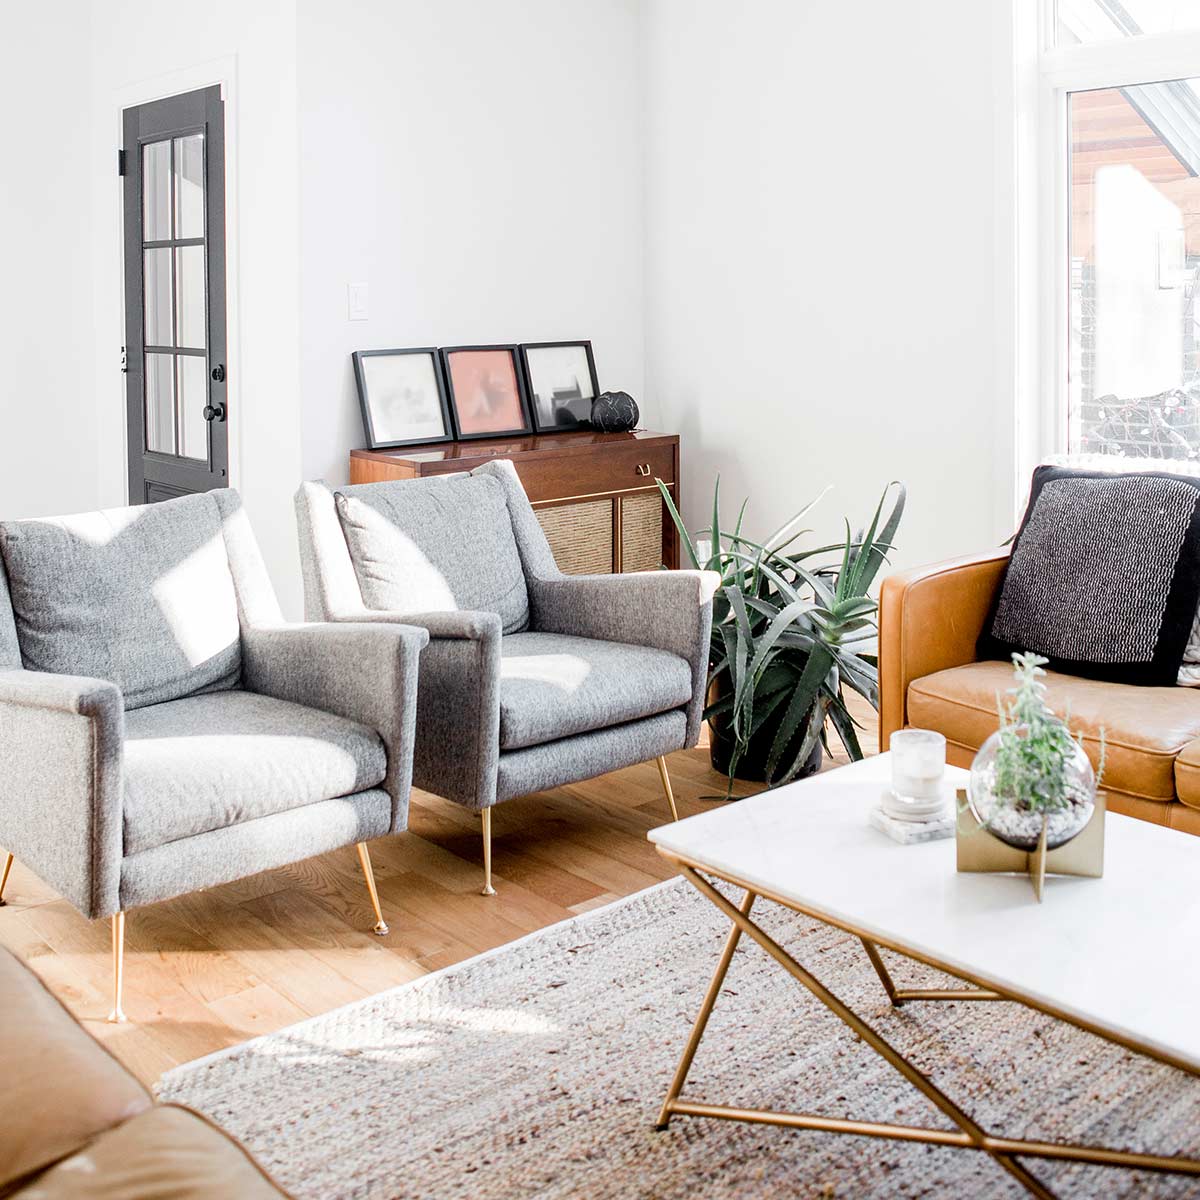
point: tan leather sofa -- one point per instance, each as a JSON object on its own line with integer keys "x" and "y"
{"x": 930, "y": 619}
{"x": 74, "y": 1123}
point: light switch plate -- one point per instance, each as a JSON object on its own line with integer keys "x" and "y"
{"x": 356, "y": 301}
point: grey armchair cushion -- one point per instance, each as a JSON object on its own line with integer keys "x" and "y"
{"x": 430, "y": 544}
{"x": 207, "y": 762}
{"x": 141, "y": 596}
{"x": 553, "y": 686}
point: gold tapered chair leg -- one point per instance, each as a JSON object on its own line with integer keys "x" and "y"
{"x": 488, "y": 890}
{"x": 8, "y": 862}
{"x": 666, "y": 782}
{"x": 364, "y": 857}
{"x": 118, "y": 962}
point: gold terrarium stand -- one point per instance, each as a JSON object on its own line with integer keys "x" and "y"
{"x": 979, "y": 850}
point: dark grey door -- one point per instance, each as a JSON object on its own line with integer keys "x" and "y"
{"x": 175, "y": 384}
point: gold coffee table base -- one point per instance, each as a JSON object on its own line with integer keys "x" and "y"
{"x": 970, "y": 1135}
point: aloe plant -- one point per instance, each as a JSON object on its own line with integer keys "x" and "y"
{"x": 790, "y": 632}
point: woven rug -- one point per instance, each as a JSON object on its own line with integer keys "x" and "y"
{"x": 538, "y": 1069}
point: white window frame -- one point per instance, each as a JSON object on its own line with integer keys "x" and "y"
{"x": 1044, "y": 152}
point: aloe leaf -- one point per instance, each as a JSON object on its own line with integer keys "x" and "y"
{"x": 807, "y": 687}
{"x": 684, "y": 536}
{"x": 840, "y": 717}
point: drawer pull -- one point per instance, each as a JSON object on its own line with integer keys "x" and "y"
{"x": 643, "y": 468}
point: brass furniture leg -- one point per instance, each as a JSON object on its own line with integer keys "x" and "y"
{"x": 666, "y": 782}
{"x": 117, "y": 1016}
{"x": 488, "y": 890}
{"x": 364, "y": 858}
{"x": 8, "y": 862}
{"x": 969, "y": 1135}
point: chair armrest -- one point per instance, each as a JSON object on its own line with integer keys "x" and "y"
{"x": 365, "y": 672}
{"x": 458, "y": 702}
{"x": 666, "y": 610}
{"x": 930, "y": 619}
{"x": 61, "y": 787}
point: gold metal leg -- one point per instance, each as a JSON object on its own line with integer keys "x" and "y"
{"x": 488, "y": 890}
{"x": 364, "y": 858}
{"x": 968, "y": 1136}
{"x": 899, "y": 995}
{"x": 8, "y": 862}
{"x": 710, "y": 998}
{"x": 118, "y": 962}
{"x": 666, "y": 782}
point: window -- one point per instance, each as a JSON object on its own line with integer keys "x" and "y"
{"x": 1134, "y": 245}
{"x": 1085, "y": 21}
{"x": 1120, "y": 108}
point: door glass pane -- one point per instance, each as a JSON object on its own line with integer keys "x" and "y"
{"x": 160, "y": 403}
{"x": 193, "y": 396}
{"x": 157, "y": 279}
{"x": 189, "y": 296}
{"x": 156, "y": 191}
{"x": 1134, "y": 383}
{"x": 1106, "y": 20}
{"x": 189, "y": 186}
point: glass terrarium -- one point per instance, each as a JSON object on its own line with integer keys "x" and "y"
{"x": 1015, "y": 814}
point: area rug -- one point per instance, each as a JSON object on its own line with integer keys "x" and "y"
{"x": 538, "y": 1070}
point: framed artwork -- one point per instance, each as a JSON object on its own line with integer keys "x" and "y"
{"x": 403, "y": 397}
{"x": 561, "y": 381}
{"x": 487, "y": 391}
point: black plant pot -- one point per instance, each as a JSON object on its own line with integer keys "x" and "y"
{"x": 752, "y": 766}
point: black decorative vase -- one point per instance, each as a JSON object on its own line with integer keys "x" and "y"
{"x": 614, "y": 412}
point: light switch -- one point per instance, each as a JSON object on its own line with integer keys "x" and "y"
{"x": 356, "y": 301}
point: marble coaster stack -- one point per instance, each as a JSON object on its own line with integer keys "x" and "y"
{"x": 907, "y": 829}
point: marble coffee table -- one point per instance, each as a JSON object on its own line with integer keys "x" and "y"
{"x": 1114, "y": 956}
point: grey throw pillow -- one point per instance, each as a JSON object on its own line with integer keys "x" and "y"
{"x": 433, "y": 545}
{"x": 142, "y": 597}
{"x": 1104, "y": 576}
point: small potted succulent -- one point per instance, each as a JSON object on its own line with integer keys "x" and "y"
{"x": 1032, "y": 772}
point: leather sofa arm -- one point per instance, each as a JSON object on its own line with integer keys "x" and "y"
{"x": 930, "y": 619}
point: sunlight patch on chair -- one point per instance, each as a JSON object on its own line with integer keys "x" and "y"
{"x": 99, "y": 528}
{"x": 564, "y": 671}
{"x": 197, "y": 601}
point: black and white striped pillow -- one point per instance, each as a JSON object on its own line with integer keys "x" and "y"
{"x": 1104, "y": 577}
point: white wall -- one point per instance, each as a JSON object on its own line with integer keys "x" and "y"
{"x": 48, "y": 421}
{"x": 825, "y": 280}
{"x": 142, "y": 50}
{"x": 478, "y": 165}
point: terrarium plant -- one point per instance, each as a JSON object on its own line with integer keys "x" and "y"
{"x": 1032, "y": 772}
{"x": 792, "y": 629}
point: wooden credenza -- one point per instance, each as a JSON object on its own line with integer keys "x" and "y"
{"x": 594, "y": 493}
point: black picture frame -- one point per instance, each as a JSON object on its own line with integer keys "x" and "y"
{"x": 376, "y": 432}
{"x": 463, "y": 430}
{"x": 548, "y": 423}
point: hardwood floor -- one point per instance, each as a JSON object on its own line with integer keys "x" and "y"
{"x": 212, "y": 969}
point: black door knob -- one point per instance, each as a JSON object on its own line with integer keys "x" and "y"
{"x": 212, "y": 413}
{"x": 218, "y": 373}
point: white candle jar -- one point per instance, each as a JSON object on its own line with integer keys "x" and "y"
{"x": 918, "y": 758}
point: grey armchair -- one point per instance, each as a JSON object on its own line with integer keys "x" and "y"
{"x": 163, "y": 730}
{"x": 532, "y": 678}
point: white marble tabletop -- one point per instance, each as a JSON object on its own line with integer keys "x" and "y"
{"x": 1119, "y": 952}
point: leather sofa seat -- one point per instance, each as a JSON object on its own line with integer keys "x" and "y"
{"x": 76, "y": 1124}
{"x": 1146, "y": 729}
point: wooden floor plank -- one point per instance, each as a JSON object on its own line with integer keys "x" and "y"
{"x": 217, "y": 967}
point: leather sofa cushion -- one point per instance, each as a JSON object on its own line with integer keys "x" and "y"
{"x": 553, "y": 686}
{"x": 140, "y": 596}
{"x": 1187, "y": 775}
{"x": 166, "y": 1152}
{"x": 1144, "y": 727}
{"x": 59, "y": 1089}
{"x": 437, "y": 544}
{"x": 208, "y": 762}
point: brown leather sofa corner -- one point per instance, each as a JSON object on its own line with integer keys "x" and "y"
{"x": 74, "y": 1123}
{"x": 930, "y": 620}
